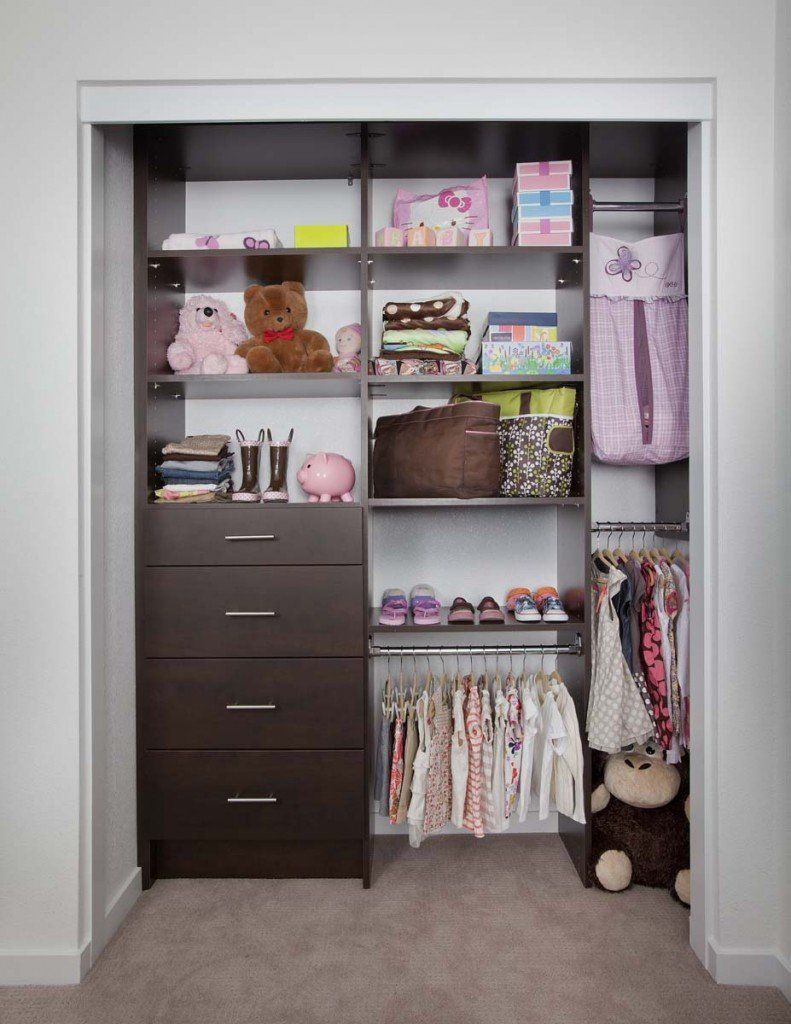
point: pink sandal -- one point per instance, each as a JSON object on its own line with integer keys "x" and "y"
{"x": 394, "y": 607}
{"x": 424, "y": 606}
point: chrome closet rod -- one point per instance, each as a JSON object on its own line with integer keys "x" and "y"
{"x": 629, "y": 527}
{"x": 607, "y": 206}
{"x": 572, "y": 648}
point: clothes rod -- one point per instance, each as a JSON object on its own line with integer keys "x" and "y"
{"x": 572, "y": 648}
{"x": 635, "y": 527}
{"x": 607, "y": 206}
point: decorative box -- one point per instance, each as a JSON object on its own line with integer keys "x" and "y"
{"x": 521, "y": 318}
{"x": 429, "y": 367}
{"x": 409, "y": 367}
{"x": 451, "y": 236}
{"x": 521, "y": 332}
{"x": 385, "y": 367}
{"x": 502, "y": 356}
{"x": 421, "y": 236}
{"x": 389, "y": 237}
{"x": 542, "y": 174}
{"x": 545, "y": 231}
{"x": 321, "y": 236}
{"x": 543, "y": 203}
{"x": 480, "y": 236}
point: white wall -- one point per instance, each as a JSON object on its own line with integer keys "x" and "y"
{"x": 47, "y": 48}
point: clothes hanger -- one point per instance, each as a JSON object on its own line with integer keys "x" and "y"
{"x": 618, "y": 554}
{"x": 541, "y": 676}
{"x": 607, "y": 554}
{"x": 634, "y": 553}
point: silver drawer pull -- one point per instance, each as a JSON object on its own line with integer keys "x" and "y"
{"x": 252, "y": 799}
{"x": 252, "y": 536}
{"x": 251, "y": 615}
{"x": 251, "y": 707}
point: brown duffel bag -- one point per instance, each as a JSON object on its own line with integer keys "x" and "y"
{"x": 448, "y": 452}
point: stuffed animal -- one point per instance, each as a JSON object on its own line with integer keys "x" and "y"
{"x": 348, "y": 343}
{"x": 276, "y": 315}
{"x": 641, "y": 822}
{"x": 207, "y": 338}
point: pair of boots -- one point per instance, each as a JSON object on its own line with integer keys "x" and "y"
{"x": 250, "y": 454}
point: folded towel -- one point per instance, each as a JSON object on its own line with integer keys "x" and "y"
{"x": 206, "y": 446}
{"x": 197, "y": 488}
{"x": 439, "y": 343}
{"x": 198, "y": 465}
{"x": 183, "y": 477}
{"x": 260, "y": 238}
{"x": 184, "y": 499}
{"x": 440, "y": 323}
{"x": 449, "y": 304}
{"x": 198, "y": 457}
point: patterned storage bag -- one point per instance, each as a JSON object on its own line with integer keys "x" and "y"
{"x": 536, "y": 443}
{"x": 638, "y": 339}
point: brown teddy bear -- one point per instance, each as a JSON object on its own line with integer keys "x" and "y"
{"x": 641, "y": 822}
{"x": 275, "y": 315}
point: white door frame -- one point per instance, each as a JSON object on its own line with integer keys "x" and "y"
{"x": 106, "y": 103}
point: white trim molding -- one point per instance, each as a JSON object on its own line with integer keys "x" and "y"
{"x": 45, "y": 967}
{"x": 385, "y": 99}
{"x": 119, "y": 906}
{"x": 730, "y": 966}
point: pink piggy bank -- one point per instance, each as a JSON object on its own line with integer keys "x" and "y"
{"x": 327, "y": 476}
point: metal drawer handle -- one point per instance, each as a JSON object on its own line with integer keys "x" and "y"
{"x": 251, "y": 707}
{"x": 252, "y": 799}
{"x": 252, "y": 536}
{"x": 251, "y": 615}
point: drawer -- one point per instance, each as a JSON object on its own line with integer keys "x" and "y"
{"x": 220, "y": 794}
{"x": 283, "y": 611}
{"x": 261, "y": 535}
{"x": 246, "y": 703}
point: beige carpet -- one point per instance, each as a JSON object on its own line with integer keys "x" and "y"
{"x": 459, "y": 932}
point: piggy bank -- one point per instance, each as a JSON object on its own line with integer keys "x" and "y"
{"x": 327, "y": 476}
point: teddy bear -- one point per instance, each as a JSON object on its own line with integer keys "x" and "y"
{"x": 348, "y": 342}
{"x": 207, "y": 339}
{"x": 640, "y": 826}
{"x": 275, "y": 315}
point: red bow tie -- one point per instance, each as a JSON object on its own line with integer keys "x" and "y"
{"x": 270, "y": 336}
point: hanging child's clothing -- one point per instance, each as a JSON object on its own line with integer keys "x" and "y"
{"x": 417, "y": 803}
{"x": 530, "y": 713}
{"x": 513, "y": 749}
{"x": 397, "y": 767}
{"x": 550, "y": 742}
{"x": 473, "y": 817}
{"x": 487, "y": 756}
{"x": 651, "y": 657}
{"x": 438, "y": 778}
{"x": 498, "y": 758}
{"x": 682, "y": 650}
{"x": 568, "y": 764}
{"x": 383, "y": 753}
{"x": 410, "y": 749}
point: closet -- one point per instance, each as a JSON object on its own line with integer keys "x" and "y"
{"x": 256, "y": 731}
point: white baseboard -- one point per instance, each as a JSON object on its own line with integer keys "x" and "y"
{"x": 730, "y": 966}
{"x": 31, "y": 967}
{"x": 120, "y": 905}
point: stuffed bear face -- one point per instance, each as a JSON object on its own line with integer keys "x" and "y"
{"x": 203, "y": 315}
{"x": 639, "y": 776}
{"x": 275, "y": 309}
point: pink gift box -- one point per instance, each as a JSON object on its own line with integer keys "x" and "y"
{"x": 451, "y": 236}
{"x": 546, "y": 231}
{"x": 481, "y": 236}
{"x": 389, "y": 237}
{"x": 421, "y": 236}
{"x": 543, "y": 175}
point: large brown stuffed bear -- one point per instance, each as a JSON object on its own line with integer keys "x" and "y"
{"x": 641, "y": 822}
{"x": 275, "y": 316}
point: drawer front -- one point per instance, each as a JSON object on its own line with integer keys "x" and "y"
{"x": 255, "y": 612}
{"x": 248, "y": 704}
{"x": 261, "y": 535}
{"x": 286, "y": 794}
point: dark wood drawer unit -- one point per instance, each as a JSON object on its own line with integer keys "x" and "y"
{"x": 278, "y": 795}
{"x": 254, "y": 611}
{"x": 260, "y": 535}
{"x": 249, "y": 703}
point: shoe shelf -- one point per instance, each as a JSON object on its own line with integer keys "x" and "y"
{"x": 509, "y": 626}
{"x": 258, "y": 385}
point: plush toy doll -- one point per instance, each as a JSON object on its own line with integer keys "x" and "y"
{"x": 348, "y": 343}
{"x": 207, "y": 338}
{"x": 641, "y": 822}
{"x": 276, "y": 316}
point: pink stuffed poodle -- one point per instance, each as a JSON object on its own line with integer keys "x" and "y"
{"x": 207, "y": 338}
{"x": 348, "y": 343}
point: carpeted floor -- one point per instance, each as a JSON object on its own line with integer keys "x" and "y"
{"x": 458, "y": 932}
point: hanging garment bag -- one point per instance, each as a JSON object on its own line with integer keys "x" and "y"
{"x": 638, "y": 338}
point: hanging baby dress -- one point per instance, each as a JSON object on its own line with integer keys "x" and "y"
{"x": 473, "y": 815}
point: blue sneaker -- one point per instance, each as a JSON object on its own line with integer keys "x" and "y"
{"x": 551, "y": 606}
{"x": 525, "y": 609}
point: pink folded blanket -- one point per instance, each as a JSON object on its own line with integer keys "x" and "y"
{"x": 261, "y": 238}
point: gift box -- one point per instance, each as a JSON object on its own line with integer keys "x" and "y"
{"x": 421, "y": 236}
{"x": 450, "y": 236}
{"x": 321, "y": 236}
{"x": 543, "y": 203}
{"x": 389, "y": 237}
{"x": 480, "y": 236}
{"x": 502, "y": 356}
{"x": 544, "y": 231}
{"x": 542, "y": 174}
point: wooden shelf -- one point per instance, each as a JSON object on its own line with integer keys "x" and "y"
{"x": 412, "y": 503}
{"x": 509, "y": 626}
{"x": 258, "y": 385}
{"x": 476, "y": 251}
{"x": 235, "y": 269}
{"x": 437, "y": 386}
{"x": 264, "y": 507}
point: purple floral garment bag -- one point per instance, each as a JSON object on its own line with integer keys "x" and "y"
{"x": 639, "y": 359}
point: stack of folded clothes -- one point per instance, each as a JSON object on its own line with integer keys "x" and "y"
{"x": 196, "y": 469}
{"x": 435, "y": 328}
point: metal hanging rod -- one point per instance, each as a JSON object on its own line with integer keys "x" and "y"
{"x": 636, "y": 527}
{"x": 607, "y": 206}
{"x": 572, "y": 648}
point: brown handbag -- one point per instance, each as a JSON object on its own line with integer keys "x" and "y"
{"x": 448, "y": 452}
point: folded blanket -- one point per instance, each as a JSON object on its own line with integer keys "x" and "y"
{"x": 439, "y": 323}
{"x": 198, "y": 457}
{"x": 439, "y": 343}
{"x": 206, "y": 446}
{"x": 181, "y": 476}
{"x": 198, "y": 465}
{"x": 259, "y": 238}
{"x": 183, "y": 499}
{"x": 449, "y": 304}
{"x": 197, "y": 488}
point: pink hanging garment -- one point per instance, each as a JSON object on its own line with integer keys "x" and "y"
{"x": 639, "y": 360}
